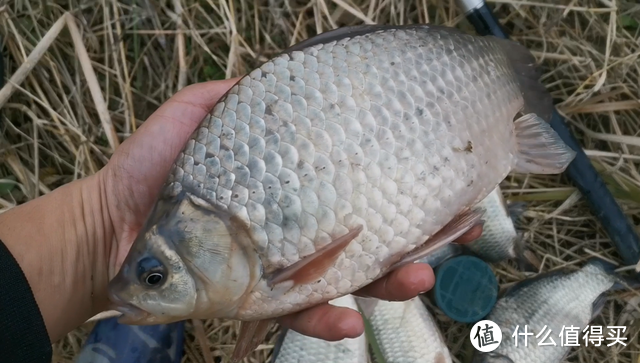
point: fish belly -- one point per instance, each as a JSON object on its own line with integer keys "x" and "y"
{"x": 407, "y": 332}
{"x": 397, "y": 131}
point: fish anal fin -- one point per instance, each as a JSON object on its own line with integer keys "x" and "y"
{"x": 252, "y": 333}
{"x": 458, "y": 226}
{"x": 540, "y": 148}
{"x": 314, "y": 266}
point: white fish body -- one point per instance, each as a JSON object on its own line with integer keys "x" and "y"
{"x": 555, "y": 300}
{"x": 406, "y": 332}
{"x": 500, "y": 240}
{"x": 297, "y": 348}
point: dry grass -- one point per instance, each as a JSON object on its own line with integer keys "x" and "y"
{"x": 95, "y": 83}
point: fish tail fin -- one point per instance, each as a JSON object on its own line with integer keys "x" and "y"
{"x": 525, "y": 260}
{"x": 540, "y": 148}
{"x": 515, "y": 210}
{"x": 598, "y": 305}
{"x": 603, "y": 264}
{"x": 537, "y": 98}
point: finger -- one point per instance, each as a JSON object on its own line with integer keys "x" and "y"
{"x": 471, "y": 235}
{"x": 402, "y": 284}
{"x": 325, "y": 321}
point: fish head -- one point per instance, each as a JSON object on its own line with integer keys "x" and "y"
{"x": 187, "y": 262}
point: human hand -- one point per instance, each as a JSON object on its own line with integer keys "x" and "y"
{"x": 136, "y": 172}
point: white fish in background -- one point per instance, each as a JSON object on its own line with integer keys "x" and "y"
{"x": 335, "y": 162}
{"x": 553, "y": 299}
{"x": 500, "y": 240}
{"x": 405, "y": 331}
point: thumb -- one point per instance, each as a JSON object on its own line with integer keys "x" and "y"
{"x": 140, "y": 165}
{"x": 175, "y": 120}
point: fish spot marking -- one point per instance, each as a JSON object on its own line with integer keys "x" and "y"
{"x": 440, "y": 358}
{"x": 467, "y": 149}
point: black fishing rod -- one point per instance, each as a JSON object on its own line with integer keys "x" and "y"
{"x": 580, "y": 172}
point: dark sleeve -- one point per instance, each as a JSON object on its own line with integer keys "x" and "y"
{"x": 23, "y": 335}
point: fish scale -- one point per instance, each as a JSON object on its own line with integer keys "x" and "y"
{"x": 397, "y": 120}
{"x": 406, "y": 332}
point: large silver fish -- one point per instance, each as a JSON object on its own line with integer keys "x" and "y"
{"x": 293, "y": 347}
{"x": 335, "y": 162}
{"x": 545, "y": 304}
{"x": 405, "y": 331}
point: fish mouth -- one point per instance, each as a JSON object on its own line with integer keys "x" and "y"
{"x": 131, "y": 314}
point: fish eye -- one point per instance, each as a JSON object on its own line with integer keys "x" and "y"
{"x": 154, "y": 278}
{"x": 151, "y": 271}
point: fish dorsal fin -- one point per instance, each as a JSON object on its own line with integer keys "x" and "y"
{"x": 314, "y": 266}
{"x": 458, "y": 226}
{"x": 252, "y": 333}
{"x": 359, "y": 30}
{"x": 540, "y": 150}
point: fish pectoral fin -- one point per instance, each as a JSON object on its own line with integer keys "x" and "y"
{"x": 461, "y": 224}
{"x": 314, "y": 266}
{"x": 252, "y": 333}
{"x": 540, "y": 148}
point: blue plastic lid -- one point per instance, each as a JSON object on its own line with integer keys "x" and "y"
{"x": 466, "y": 288}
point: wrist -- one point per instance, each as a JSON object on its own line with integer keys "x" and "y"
{"x": 98, "y": 234}
{"x": 60, "y": 242}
